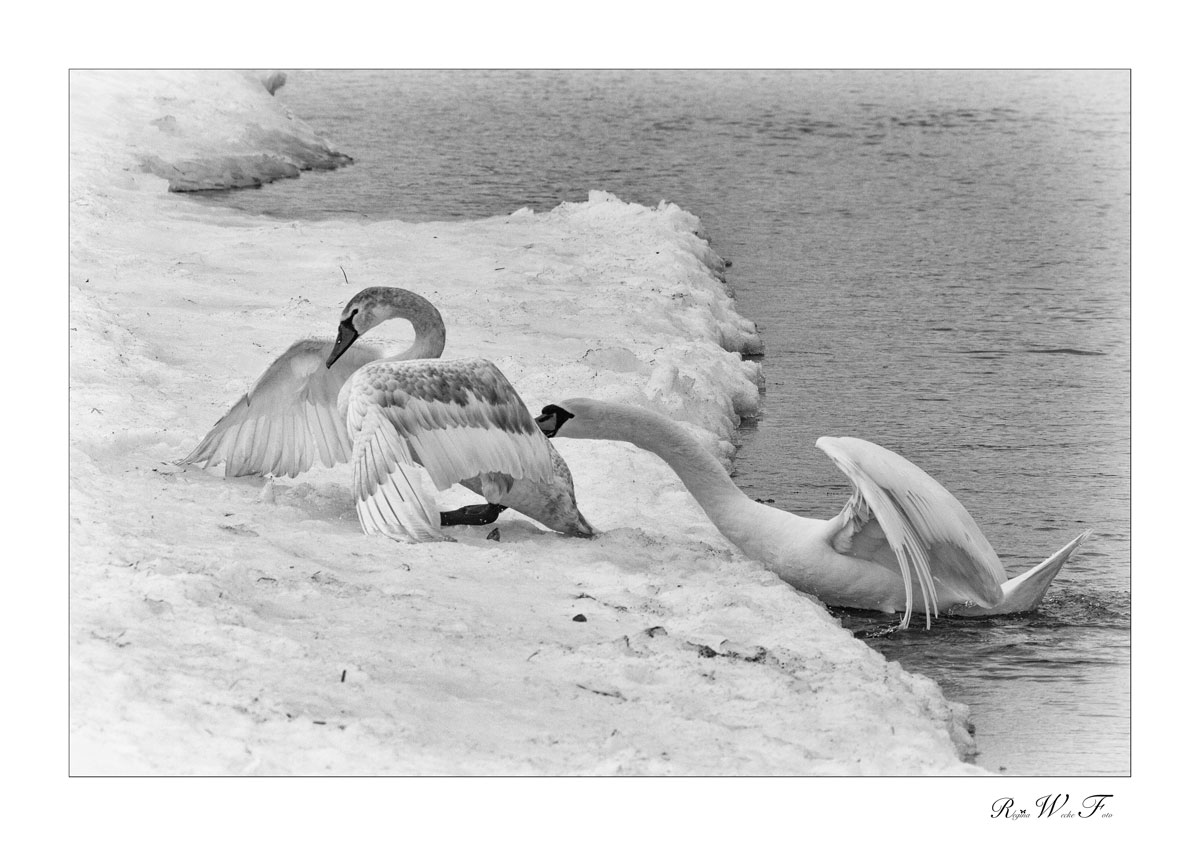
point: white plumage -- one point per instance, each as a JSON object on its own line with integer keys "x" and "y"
{"x": 395, "y": 419}
{"x": 899, "y": 525}
{"x": 289, "y": 419}
{"x": 926, "y": 528}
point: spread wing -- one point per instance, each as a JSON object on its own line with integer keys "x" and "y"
{"x": 901, "y": 518}
{"x": 454, "y": 420}
{"x": 289, "y": 419}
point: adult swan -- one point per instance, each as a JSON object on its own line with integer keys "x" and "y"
{"x": 460, "y": 420}
{"x": 898, "y": 523}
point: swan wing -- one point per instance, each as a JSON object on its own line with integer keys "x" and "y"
{"x": 901, "y": 518}
{"x": 390, "y": 496}
{"x": 289, "y": 419}
{"x": 453, "y": 420}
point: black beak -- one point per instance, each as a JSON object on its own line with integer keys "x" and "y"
{"x": 346, "y": 336}
{"x": 548, "y": 423}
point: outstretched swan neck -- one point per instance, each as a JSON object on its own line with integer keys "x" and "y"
{"x": 700, "y": 472}
{"x": 759, "y": 530}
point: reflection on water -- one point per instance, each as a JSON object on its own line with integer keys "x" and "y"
{"x": 938, "y": 262}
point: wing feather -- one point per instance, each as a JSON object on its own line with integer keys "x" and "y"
{"x": 270, "y": 434}
{"x": 929, "y": 535}
{"x": 239, "y": 440}
{"x": 305, "y": 446}
{"x": 389, "y": 495}
{"x": 318, "y": 448}
{"x": 271, "y": 428}
{"x": 260, "y": 430}
{"x": 296, "y": 441}
{"x": 319, "y": 421}
{"x": 291, "y": 451}
{"x": 336, "y": 438}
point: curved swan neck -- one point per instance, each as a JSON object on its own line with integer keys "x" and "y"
{"x": 426, "y": 320}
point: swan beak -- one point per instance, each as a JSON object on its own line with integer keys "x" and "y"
{"x": 346, "y": 336}
{"x": 548, "y": 423}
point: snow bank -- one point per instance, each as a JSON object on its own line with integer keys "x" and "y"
{"x": 237, "y": 626}
{"x": 199, "y": 130}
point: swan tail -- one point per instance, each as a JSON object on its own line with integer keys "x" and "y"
{"x": 1024, "y": 592}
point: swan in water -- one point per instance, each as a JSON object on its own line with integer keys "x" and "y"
{"x": 461, "y": 421}
{"x": 899, "y": 523}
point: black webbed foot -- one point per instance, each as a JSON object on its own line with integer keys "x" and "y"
{"x": 473, "y": 515}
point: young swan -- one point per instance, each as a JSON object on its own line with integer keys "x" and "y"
{"x": 460, "y": 421}
{"x": 899, "y": 523}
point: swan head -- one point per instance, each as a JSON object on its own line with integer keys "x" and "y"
{"x": 576, "y": 418}
{"x": 371, "y": 306}
{"x": 552, "y": 419}
{"x": 359, "y": 316}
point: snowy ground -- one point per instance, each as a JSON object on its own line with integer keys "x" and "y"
{"x": 236, "y": 626}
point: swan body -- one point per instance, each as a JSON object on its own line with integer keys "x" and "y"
{"x": 395, "y": 418}
{"x": 902, "y": 541}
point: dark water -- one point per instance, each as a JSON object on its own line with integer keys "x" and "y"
{"x": 938, "y": 262}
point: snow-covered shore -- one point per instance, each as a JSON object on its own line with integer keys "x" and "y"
{"x": 232, "y": 626}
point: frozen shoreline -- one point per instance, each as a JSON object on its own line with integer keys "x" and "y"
{"x": 235, "y": 627}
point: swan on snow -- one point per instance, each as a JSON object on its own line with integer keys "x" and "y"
{"x": 460, "y": 421}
